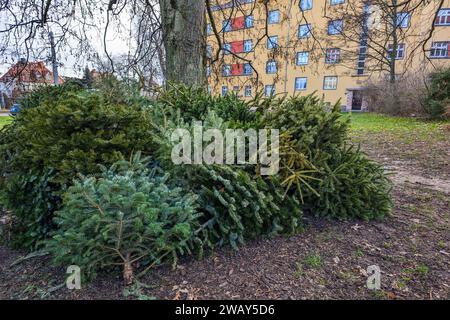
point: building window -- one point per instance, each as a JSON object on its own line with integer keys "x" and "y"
{"x": 247, "y": 69}
{"x": 208, "y": 29}
{"x": 208, "y": 71}
{"x": 440, "y": 49}
{"x": 443, "y": 18}
{"x": 330, "y": 83}
{"x": 335, "y": 26}
{"x": 236, "y": 89}
{"x": 249, "y": 21}
{"x": 302, "y": 58}
{"x": 248, "y": 45}
{"x": 209, "y": 89}
{"x": 224, "y": 90}
{"x": 227, "y": 48}
{"x": 300, "y": 83}
{"x": 361, "y": 58}
{"x": 226, "y": 70}
{"x": 304, "y": 31}
{"x": 248, "y": 91}
{"x": 273, "y": 17}
{"x": 360, "y": 70}
{"x": 306, "y": 5}
{"x": 399, "y": 53}
{"x": 209, "y": 51}
{"x": 271, "y": 66}
{"x": 269, "y": 90}
{"x": 226, "y": 26}
{"x": 332, "y": 55}
{"x": 272, "y": 42}
{"x": 403, "y": 19}
{"x": 335, "y": 2}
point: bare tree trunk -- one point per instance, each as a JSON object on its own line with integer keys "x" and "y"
{"x": 392, "y": 62}
{"x": 183, "y": 25}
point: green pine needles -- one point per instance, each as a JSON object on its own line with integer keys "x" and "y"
{"x": 126, "y": 217}
{"x": 64, "y": 174}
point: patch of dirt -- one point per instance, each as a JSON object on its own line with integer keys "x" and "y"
{"x": 401, "y": 176}
{"x": 327, "y": 261}
{"x": 427, "y": 157}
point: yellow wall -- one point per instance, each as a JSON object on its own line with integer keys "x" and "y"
{"x": 287, "y": 28}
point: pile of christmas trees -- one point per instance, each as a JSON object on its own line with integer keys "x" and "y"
{"x": 89, "y": 176}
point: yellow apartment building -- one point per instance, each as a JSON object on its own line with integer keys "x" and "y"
{"x": 333, "y": 47}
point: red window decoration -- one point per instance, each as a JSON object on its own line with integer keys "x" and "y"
{"x": 237, "y": 69}
{"x": 237, "y": 46}
{"x": 238, "y": 23}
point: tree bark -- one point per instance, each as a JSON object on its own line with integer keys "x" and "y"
{"x": 183, "y": 26}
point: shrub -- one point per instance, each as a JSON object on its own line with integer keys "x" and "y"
{"x": 400, "y": 99}
{"x": 330, "y": 178}
{"x": 437, "y": 100}
{"x": 125, "y": 217}
{"x": 47, "y": 146}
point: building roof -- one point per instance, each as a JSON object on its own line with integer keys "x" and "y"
{"x": 29, "y": 72}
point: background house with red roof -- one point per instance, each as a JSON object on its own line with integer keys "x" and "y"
{"x": 21, "y": 78}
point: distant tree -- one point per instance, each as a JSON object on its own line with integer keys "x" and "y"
{"x": 87, "y": 80}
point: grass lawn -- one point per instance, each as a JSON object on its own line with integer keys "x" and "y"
{"x": 402, "y": 128}
{"x": 418, "y": 145}
{"x": 4, "y": 121}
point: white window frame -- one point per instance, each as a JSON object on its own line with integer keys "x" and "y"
{"x": 305, "y": 5}
{"x": 224, "y": 91}
{"x": 227, "y": 26}
{"x": 333, "y": 57}
{"x": 248, "y": 91}
{"x": 302, "y": 35}
{"x": 273, "y": 17}
{"x": 440, "y": 47}
{"x": 330, "y": 82}
{"x": 443, "y": 18}
{"x": 332, "y": 28}
{"x": 305, "y": 82}
{"x": 248, "y": 45}
{"x": 272, "y": 42}
{"x": 403, "y": 19}
{"x": 226, "y": 70}
{"x": 400, "y": 49}
{"x": 247, "y": 67}
{"x": 271, "y": 67}
{"x": 302, "y": 58}
{"x": 270, "y": 87}
{"x": 227, "y": 48}
{"x": 248, "y": 22}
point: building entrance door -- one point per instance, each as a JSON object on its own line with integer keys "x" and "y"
{"x": 356, "y": 100}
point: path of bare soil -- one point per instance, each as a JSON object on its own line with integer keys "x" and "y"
{"x": 326, "y": 261}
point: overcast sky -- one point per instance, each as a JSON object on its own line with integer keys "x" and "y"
{"x": 117, "y": 43}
